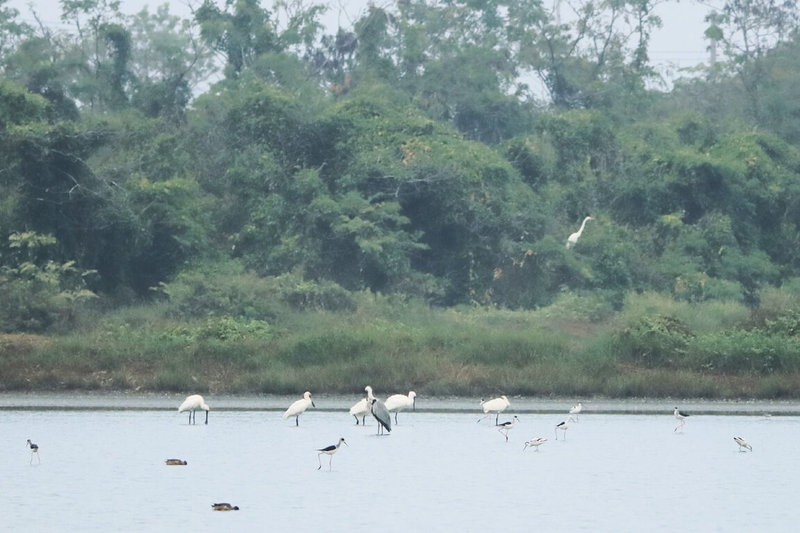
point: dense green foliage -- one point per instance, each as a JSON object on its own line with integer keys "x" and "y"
{"x": 244, "y": 165}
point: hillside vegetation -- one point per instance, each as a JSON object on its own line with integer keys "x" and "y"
{"x": 242, "y": 202}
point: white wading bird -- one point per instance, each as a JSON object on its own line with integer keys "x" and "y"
{"x": 193, "y": 403}
{"x": 299, "y": 407}
{"x": 398, "y": 402}
{"x": 573, "y": 239}
{"x": 496, "y": 405}
{"x": 362, "y": 407}
{"x": 576, "y": 410}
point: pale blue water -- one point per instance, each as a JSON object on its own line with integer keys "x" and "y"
{"x": 103, "y": 470}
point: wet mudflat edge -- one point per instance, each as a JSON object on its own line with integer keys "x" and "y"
{"x": 135, "y": 401}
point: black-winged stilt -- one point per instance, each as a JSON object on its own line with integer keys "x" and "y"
{"x": 563, "y": 426}
{"x": 505, "y": 427}
{"x": 681, "y": 416}
{"x": 34, "y": 450}
{"x": 329, "y": 450}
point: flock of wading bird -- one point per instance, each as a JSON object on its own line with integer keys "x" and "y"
{"x": 382, "y": 412}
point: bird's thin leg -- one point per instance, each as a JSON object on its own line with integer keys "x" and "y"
{"x": 297, "y": 421}
{"x": 395, "y": 417}
{"x": 206, "y": 417}
{"x": 320, "y": 460}
{"x": 330, "y": 463}
{"x": 354, "y": 416}
{"x": 497, "y": 419}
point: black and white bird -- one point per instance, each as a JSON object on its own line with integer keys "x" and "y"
{"x": 495, "y": 405}
{"x": 329, "y": 450}
{"x": 34, "y": 450}
{"x": 576, "y": 410}
{"x": 681, "y": 416}
{"x": 505, "y": 427}
{"x": 299, "y": 407}
{"x": 742, "y": 444}
{"x": 535, "y": 442}
{"x": 382, "y": 415}
{"x": 193, "y": 403}
{"x": 563, "y": 426}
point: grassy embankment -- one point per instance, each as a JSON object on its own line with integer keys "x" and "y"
{"x": 580, "y": 347}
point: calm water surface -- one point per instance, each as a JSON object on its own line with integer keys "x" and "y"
{"x": 103, "y": 470}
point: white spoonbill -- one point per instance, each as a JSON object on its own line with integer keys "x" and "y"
{"x": 299, "y": 407}
{"x": 34, "y": 450}
{"x": 193, "y": 403}
{"x": 576, "y": 410}
{"x": 382, "y": 415}
{"x": 330, "y": 450}
{"x": 506, "y": 426}
{"x": 573, "y": 239}
{"x": 563, "y": 426}
{"x": 535, "y": 442}
{"x": 496, "y": 405}
{"x": 742, "y": 444}
{"x": 362, "y": 406}
{"x": 681, "y": 416}
{"x": 398, "y": 402}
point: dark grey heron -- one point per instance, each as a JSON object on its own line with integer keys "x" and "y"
{"x": 193, "y": 403}
{"x": 382, "y": 415}
{"x": 398, "y": 402}
{"x": 330, "y": 450}
{"x": 495, "y": 405}
{"x": 299, "y": 407}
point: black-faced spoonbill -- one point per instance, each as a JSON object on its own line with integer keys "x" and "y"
{"x": 742, "y": 444}
{"x": 496, "y": 405}
{"x": 193, "y": 403}
{"x": 576, "y": 410}
{"x": 299, "y": 407}
{"x": 681, "y": 416}
{"x": 535, "y": 442}
{"x": 382, "y": 415}
{"x": 224, "y": 507}
{"x": 329, "y": 450}
{"x": 176, "y": 462}
{"x": 505, "y": 427}
{"x": 362, "y": 406}
{"x": 563, "y": 426}
{"x": 34, "y": 450}
{"x": 398, "y": 402}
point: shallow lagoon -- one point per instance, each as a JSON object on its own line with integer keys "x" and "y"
{"x": 621, "y": 467}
